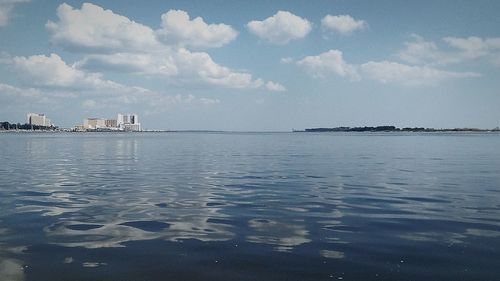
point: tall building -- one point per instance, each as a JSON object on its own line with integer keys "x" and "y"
{"x": 38, "y": 119}
{"x": 119, "y": 119}
{"x": 128, "y": 122}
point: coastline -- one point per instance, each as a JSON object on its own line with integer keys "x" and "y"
{"x": 433, "y": 131}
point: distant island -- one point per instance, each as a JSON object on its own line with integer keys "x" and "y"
{"x": 394, "y": 129}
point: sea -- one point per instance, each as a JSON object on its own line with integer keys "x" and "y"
{"x": 249, "y": 206}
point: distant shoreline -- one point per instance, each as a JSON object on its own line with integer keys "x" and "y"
{"x": 394, "y": 129}
{"x": 306, "y": 131}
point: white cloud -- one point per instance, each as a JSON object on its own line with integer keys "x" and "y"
{"x": 187, "y": 100}
{"x": 6, "y": 7}
{"x": 140, "y": 63}
{"x": 207, "y": 101}
{"x": 280, "y": 28}
{"x": 326, "y": 63}
{"x": 182, "y": 64}
{"x": 25, "y": 98}
{"x": 178, "y": 29}
{"x": 56, "y": 78}
{"x": 275, "y": 87}
{"x": 420, "y": 51}
{"x": 92, "y": 28}
{"x": 286, "y": 60}
{"x": 343, "y": 24}
{"x": 4, "y": 14}
{"x": 115, "y": 43}
{"x": 200, "y": 65}
{"x": 387, "y": 72}
{"x": 89, "y": 104}
{"x": 9, "y": 90}
{"x": 474, "y": 47}
{"x": 52, "y": 71}
{"x": 139, "y": 98}
{"x": 60, "y": 81}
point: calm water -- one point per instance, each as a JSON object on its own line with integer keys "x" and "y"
{"x": 202, "y": 206}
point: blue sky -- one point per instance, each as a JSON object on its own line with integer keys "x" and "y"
{"x": 253, "y": 65}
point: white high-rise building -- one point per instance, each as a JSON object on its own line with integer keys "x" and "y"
{"x": 128, "y": 122}
{"x": 119, "y": 119}
{"x": 38, "y": 119}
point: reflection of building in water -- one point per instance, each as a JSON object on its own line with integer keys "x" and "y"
{"x": 125, "y": 147}
{"x": 38, "y": 119}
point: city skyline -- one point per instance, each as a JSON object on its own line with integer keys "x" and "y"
{"x": 123, "y": 122}
{"x": 232, "y": 65}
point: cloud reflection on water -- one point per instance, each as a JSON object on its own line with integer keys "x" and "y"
{"x": 330, "y": 199}
{"x": 11, "y": 270}
{"x": 283, "y": 236}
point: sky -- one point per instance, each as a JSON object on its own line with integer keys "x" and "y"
{"x": 253, "y": 65}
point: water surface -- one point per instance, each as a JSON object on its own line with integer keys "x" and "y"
{"x": 249, "y": 206}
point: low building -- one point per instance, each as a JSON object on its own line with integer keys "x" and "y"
{"x": 79, "y": 128}
{"x": 38, "y": 119}
{"x": 131, "y": 127}
{"x": 111, "y": 123}
{"x": 124, "y": 122}
{"x": 94, "y": 123}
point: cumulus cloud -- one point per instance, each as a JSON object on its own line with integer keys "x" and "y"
{"x": 92, "y": 28}
{"x": 112, "y": 42}
{"x": 474, "y": 47}
{"x": 187, "y": 99}
{"x": 201, "y": 65}
{"x": 27, "y": 97}
{"x": 387, "y": 72}
{"x": 9, "y": 90}
{"x": 4, "y": 14}
{"x": 420, "y": 51}
{"x": 286, "y": 60}
{"x": 6, "y": 7}
{"x": 327, "y": 63}
{"x": 280, "y": 28}
{"x": 183, "y": 64}
{"x": 93, "y": 99}
{"x": 89, "y": 104}
{"x": 55, "y": 76}
{"x": 180, "y": 63}
{"x": 52, "y": 71}
{"x": 275, "y": 87}
{"x": 178, "y": 28}
{"x": 343, "y": 24}
{"x": 161, "y": 63}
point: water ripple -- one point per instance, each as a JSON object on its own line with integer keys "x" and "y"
{"x": 345, "y": 200}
